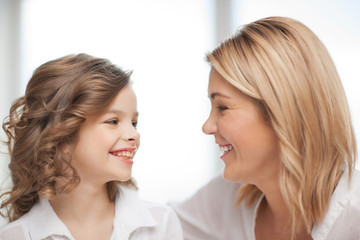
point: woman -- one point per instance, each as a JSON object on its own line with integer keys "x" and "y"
{"x": 280, "y": 116}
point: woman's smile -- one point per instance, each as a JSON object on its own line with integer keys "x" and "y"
{"x": 225, "y": 149}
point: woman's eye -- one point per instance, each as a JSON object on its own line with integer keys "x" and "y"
{"x": 113, "y": 121}
{"x": 135, "y": 124}
{"x": 221, "y": 108}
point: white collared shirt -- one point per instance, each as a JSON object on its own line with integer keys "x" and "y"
{"x": 134, "y": 219}
{"x": 212, "y": 213}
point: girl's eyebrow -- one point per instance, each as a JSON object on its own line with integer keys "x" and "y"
{"x": 115, "y": 111}
{"x": 119, "y": 112}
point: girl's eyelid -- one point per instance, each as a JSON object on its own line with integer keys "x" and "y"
{"x": 116, "y": 120}
{"x": 112, "y": 121}
{"x": 108, "y": 117}
{"x": 134, "y": 122}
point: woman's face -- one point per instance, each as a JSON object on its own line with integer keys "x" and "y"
{"x": 248, "y": 143}
{"x": 107, "y": 143}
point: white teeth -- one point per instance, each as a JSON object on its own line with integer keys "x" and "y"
{"x": 226, "y": 148}
{"x": 125, "y": 154}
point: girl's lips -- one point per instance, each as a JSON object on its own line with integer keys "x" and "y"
{"x": 126, "y": 149}
{"x": 126, "y": 160}
{"x": 125, "y": 154}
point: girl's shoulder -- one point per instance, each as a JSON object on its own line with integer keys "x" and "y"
{"x": 140, "y": 218}
{"x": 17, "y": 229}
{"x": 127, "y": 200}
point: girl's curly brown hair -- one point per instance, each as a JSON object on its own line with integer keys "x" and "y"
{"x": 60, "y": 95}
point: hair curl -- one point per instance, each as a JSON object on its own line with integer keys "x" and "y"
{"x": 281, "y": 64}
{"x": 60, "y": 95}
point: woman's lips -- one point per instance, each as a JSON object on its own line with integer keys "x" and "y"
{"x": 225, "y": 149}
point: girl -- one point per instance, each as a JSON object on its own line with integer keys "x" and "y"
{"x": 72, "y": 140}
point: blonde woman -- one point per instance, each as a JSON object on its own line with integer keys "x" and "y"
{"x": 280, "y": 116}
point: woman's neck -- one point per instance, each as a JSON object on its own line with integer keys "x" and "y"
{"x": 273, "y": 215}
{"x": 274, "y": 205}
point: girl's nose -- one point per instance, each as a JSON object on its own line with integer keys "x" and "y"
{"x": 132, "y": 135}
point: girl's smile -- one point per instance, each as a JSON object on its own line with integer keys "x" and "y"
{"x": 125, "y": 155}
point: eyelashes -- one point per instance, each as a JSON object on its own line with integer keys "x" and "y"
{"x": 116, "y": 122}
{"x": 222, "y": 108}
{"x": 113, "y": 121}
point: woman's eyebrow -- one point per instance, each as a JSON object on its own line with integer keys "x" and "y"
{"x": 215, "y": 94}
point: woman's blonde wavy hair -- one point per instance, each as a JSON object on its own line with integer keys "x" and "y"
{"x": 60, "y": 95}
{"x": 281, "y": 64}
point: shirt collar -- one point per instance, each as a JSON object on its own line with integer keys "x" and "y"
{"x": 43, "y": 222}
{"x": 130, "y": 212}
{"x": 338, "y": 201}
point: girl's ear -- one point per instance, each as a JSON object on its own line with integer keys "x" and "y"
{"x": 66, "y": 149}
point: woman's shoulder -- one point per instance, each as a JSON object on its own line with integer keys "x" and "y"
{"x": 355, "y": 190}
{"x": 347, "y": 194}
{"x": 218, "y": 187}
{"x": 342, "y": 219}
{"x": 206, "y": 200}
{"x": 160, "y": 207}
{"x": 212, "y": 212}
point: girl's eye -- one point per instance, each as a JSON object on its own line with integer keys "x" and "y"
{"x": 135, "y": 124}
{"x": 221, "y": 108}
{"x": 113, "y": 121}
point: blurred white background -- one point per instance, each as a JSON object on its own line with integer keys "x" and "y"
{"x": 164, "y": 42}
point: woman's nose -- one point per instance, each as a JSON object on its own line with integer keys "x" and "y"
{"x": 209, "y": 126}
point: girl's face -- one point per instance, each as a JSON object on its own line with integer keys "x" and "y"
{"x": 249, "y": 146}
{"x": 107, "y": 143}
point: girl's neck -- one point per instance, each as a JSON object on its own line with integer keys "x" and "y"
{"x": 86, "y": 211}
{"x": 86, "y": 201}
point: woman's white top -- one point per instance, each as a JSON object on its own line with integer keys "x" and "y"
{"x": 134, "y": 219}
{"x": 212, "y": 213}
